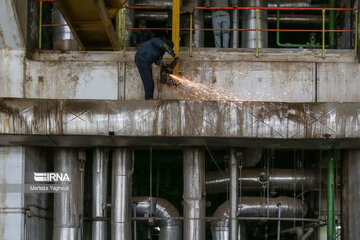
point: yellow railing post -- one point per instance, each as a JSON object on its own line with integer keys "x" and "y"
{"x": 124, "y": 34}
{"x": 257, "y": 32}
{"x": 323, "y": 33}
{"x": 176, "y": 29}
{"x": 119, "y": 28}
{"x": 356, "y": 31}
{"x": 40, "y": 22}
{"x": 191, "y": 35}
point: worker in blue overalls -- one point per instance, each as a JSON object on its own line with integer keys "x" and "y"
{"x": 151, "y": 52}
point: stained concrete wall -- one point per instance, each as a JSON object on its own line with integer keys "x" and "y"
{"x": 39, "y": 224}
{"x": 12, "y": 172}
{"x": 277, "y": 76}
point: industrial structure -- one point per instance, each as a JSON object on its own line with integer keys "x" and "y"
{"x": 273, "y": 155}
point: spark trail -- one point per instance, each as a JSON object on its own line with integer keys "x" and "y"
{"x": 197, "y": 91}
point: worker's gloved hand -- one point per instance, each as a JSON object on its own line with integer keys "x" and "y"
{"x": 176, "y": 59}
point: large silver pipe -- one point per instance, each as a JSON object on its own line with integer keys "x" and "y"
{"x": 100, "y": 161}
{"x": 234, "y": 172}
{"x": 235, "y": 34}
{"x": 248, "y": 39}
{"x": 122, "y": 167}
{"x": 170, "y": 228}
{"x": 194, "y": 194}
{"x": 63, "y": 38}
{"x": 155, "y": 3}
{"x": 290, "y": 3}
{"x": 68, "y": 205}
{"x": 200, "y": 17}
{"x": 198, "y": 24}
{"x": 255, "y": 179}
{"x": 255, "y": 207}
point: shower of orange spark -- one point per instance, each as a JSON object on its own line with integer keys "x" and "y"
{"x": 196, "y": 91}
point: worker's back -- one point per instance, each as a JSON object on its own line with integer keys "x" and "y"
{"x": 151, "y": 51}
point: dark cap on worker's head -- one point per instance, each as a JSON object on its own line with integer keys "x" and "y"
{"x": 168, "y": 42}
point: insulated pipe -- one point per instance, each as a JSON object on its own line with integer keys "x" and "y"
{"x": 233, "y": 195}
{"x": 68, "y": 205}
{"x": 255, "y": 207}
{"x": 330, "y": 199}
{"x": 290, "y": 3}
{"x": 255, "y": 179}
{"x": 296, "y": 230}
{"x": 121, "y": 194}
{"x": 198, "y": 24}
{"x": 100, "y": 161}
{"x": 235, "y": 34}
{"x": 63, "y": 38}
{"x": 332, "y": 24}
{"x": 160, "y": 208}
{"x": 201, "y": 17}
{"x": 194, "y": 194}
{"x": 248, "y": 39}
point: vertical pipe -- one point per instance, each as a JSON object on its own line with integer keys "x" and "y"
{"x": 40, "y": 22}
{"x": 332, "y": 24}
{"x": 124, "y": 33}
{"x": 176, "y": 29}
{"x": 67, "y": 210}
{"x": 100, "y": 161}
{"x": 233, "y": 195}
{"x": 279, "y": 221}
{"x": 235, "y": 34}
{"x": 191, "y": 34}
{"x": 330, "y": 199}
{"x": 323, "y": 33}
{"x": 121, "y": 194}
{"x": 356, "y": 31}
{"x": 257, "y": 32}
{"x": 198, "y": 24}
{"x": 194, "y": 194}
{"x": 119, "y": 28}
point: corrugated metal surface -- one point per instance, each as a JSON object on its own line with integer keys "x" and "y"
{"x": 180, "y": 118}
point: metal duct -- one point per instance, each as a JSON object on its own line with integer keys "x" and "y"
{"x": 121, "y": 194}
{"x": 161, "y": 208}
{"x": 255, "y": 207}
{"x": 255, "y": 180}
{"x": 194, "y": 194}
{"x": 200, "y": 17}
{"x": 234, "y": 172}
{"x": 198, "y": 24}
{"x": 63, "y": 39}
{"x": 290, "y": 3}
{"x": 249, "y": 22}
{"x": 154, "y": 3}
{"x": 100, "y": 161}
{"x": 235, "y": 34}
{"x": 68, "y": 205}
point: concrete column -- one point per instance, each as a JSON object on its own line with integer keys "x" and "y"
{"x": 12, "y": 172}
{"x": 194, "y": 194}
{"x": 121, "y": 194}
{"x": 351, "y": 195}
{"x": 68, "y": 206}
{"x": 100, "y": 161}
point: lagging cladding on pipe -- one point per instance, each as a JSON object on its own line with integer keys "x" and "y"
{"x": 248, "y": 39}
{"x": 161, "y": 208}
{"x": 254, "y": 180}
{"x": 255, "y": 207}
{"x": 100, "y": 161}
{"x": 63, "y": 38}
